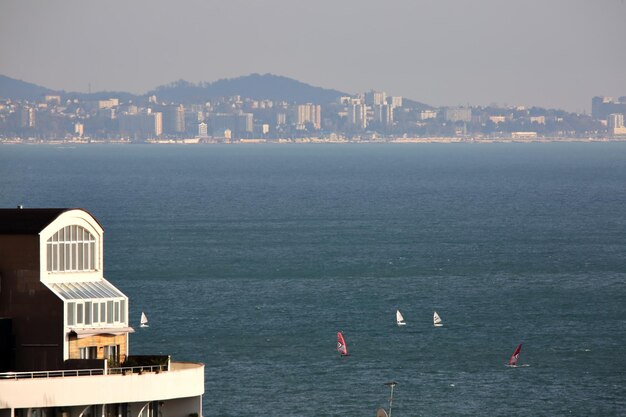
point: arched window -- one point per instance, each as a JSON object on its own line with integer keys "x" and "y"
{"x": 72, "y": 248}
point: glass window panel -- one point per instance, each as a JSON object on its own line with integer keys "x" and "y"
{"x": 117, "y": 311}
{"x": 79, "y": 313}
{"x": 68, "y": 257}
{"x": 49, "y": 257}
{"x": 123, "y": 311}
{"x": 86, "y": 256}
{"x": 80, "y": 256}
{"x": 55, "y": 254}
{"x": 70, "y": 314}
{"x": 87, "y": 312}
{"x": 103, "y": 311}
{"x": 96, "y": 310}
{"x": 73, "y": 233}
{"x": 74, "y": 255}
{"x": 92, "y": 256}
{"x": 80, "y": 288}
{"x": 109, "y": 311}
{"x": 61, "y": 257}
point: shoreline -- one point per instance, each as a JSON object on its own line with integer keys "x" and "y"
{"x": 262, "y": 141}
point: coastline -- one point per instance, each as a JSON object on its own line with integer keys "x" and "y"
{"x": 263, "y": 141}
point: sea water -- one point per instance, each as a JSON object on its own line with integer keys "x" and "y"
{"x": 249, "y": 258}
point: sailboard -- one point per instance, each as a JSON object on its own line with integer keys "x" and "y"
{"x": 515, "y": 358}
{"x": 437, "y": 320}
{"x": 341, "y": 345}
{"x": 144, "y": 320}
{"x": 399, "y": 319}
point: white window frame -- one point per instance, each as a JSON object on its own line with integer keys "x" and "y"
{"x": 72, "y": 249}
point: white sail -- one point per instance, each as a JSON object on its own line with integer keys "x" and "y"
{"x": 399, "y": 318}
{"x": 144, "y": 320}
{"x": 437, "y": 320}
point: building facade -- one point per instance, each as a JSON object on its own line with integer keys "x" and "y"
{"x": 65, "y": 329}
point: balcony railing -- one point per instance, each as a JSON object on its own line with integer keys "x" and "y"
{"x": 125, "y": 370}
{"x": 52, "y": 374}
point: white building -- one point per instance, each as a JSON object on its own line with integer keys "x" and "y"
{"x": 203, "y": 130}
{"x": 615, "y": 124}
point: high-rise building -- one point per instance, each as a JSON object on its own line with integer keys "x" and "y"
{"x": 602, "y": 107}
{"x": 27, "y": 117}
{"x": 155, "y": 123}
{"x": 396, "y": 101}
{"x": 615, "y": 124}
{"x": 174, "y": 119}
{"x": 245, "y": 123}
{"x": 309, "y": 113}
{"x": 357, "y": 115}
{"x": 383, "y": 114}
{"x": 375, "y": 98}
{"x": 615, "y": 120}
{"x": 281, "y": 119}
{"x": 240, "y": 124}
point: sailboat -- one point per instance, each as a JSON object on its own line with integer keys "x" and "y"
{"x": 341, "y": 345}
{"x": 399, "y": 319}
{"x": 144, "y": 320}
{"x": 437, "y": 320}
{"x": 515, "y": 357}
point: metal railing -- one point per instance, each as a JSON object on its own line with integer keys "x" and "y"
{"x": 52, "y": 374}
{"x": 84, "y": 372}
{"x": 137, "y": 369}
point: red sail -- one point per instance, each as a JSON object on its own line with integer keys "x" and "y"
{"x": 341, "y": 345}
{"x": 515, "y": 355}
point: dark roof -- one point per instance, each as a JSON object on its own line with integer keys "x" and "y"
{"x": 28, "y": 221}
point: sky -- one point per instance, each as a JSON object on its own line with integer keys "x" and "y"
{"x": 548, "y": 53}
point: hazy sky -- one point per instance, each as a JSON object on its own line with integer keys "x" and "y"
{"x": 551, "y": 53}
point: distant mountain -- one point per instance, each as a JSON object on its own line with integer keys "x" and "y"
{"x": 416, "y": 104}
{"x": 255, "y": 86}
{"x": 21, "y": 90}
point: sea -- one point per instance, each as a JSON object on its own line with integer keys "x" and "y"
{"x": 250, "y": 258}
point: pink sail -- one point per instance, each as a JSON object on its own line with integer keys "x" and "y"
{"x": 341, "y": 345}
{"x": 515, "y": 355}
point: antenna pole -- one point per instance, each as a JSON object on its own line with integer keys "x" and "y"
{"x": 391, "y": 385}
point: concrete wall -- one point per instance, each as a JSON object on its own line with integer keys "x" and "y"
{"x": 185, "y": 380}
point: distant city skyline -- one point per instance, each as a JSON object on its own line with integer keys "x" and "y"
{"x": 555, "y": 54}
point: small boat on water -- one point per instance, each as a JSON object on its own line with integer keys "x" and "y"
{"x": 144, "y": 320}
{"x": 342, "y": 348}
{"x": 399, "y": 319}
{"x": 437, "y": 320}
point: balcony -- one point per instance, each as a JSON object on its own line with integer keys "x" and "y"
{"x": 77, "y": 387}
